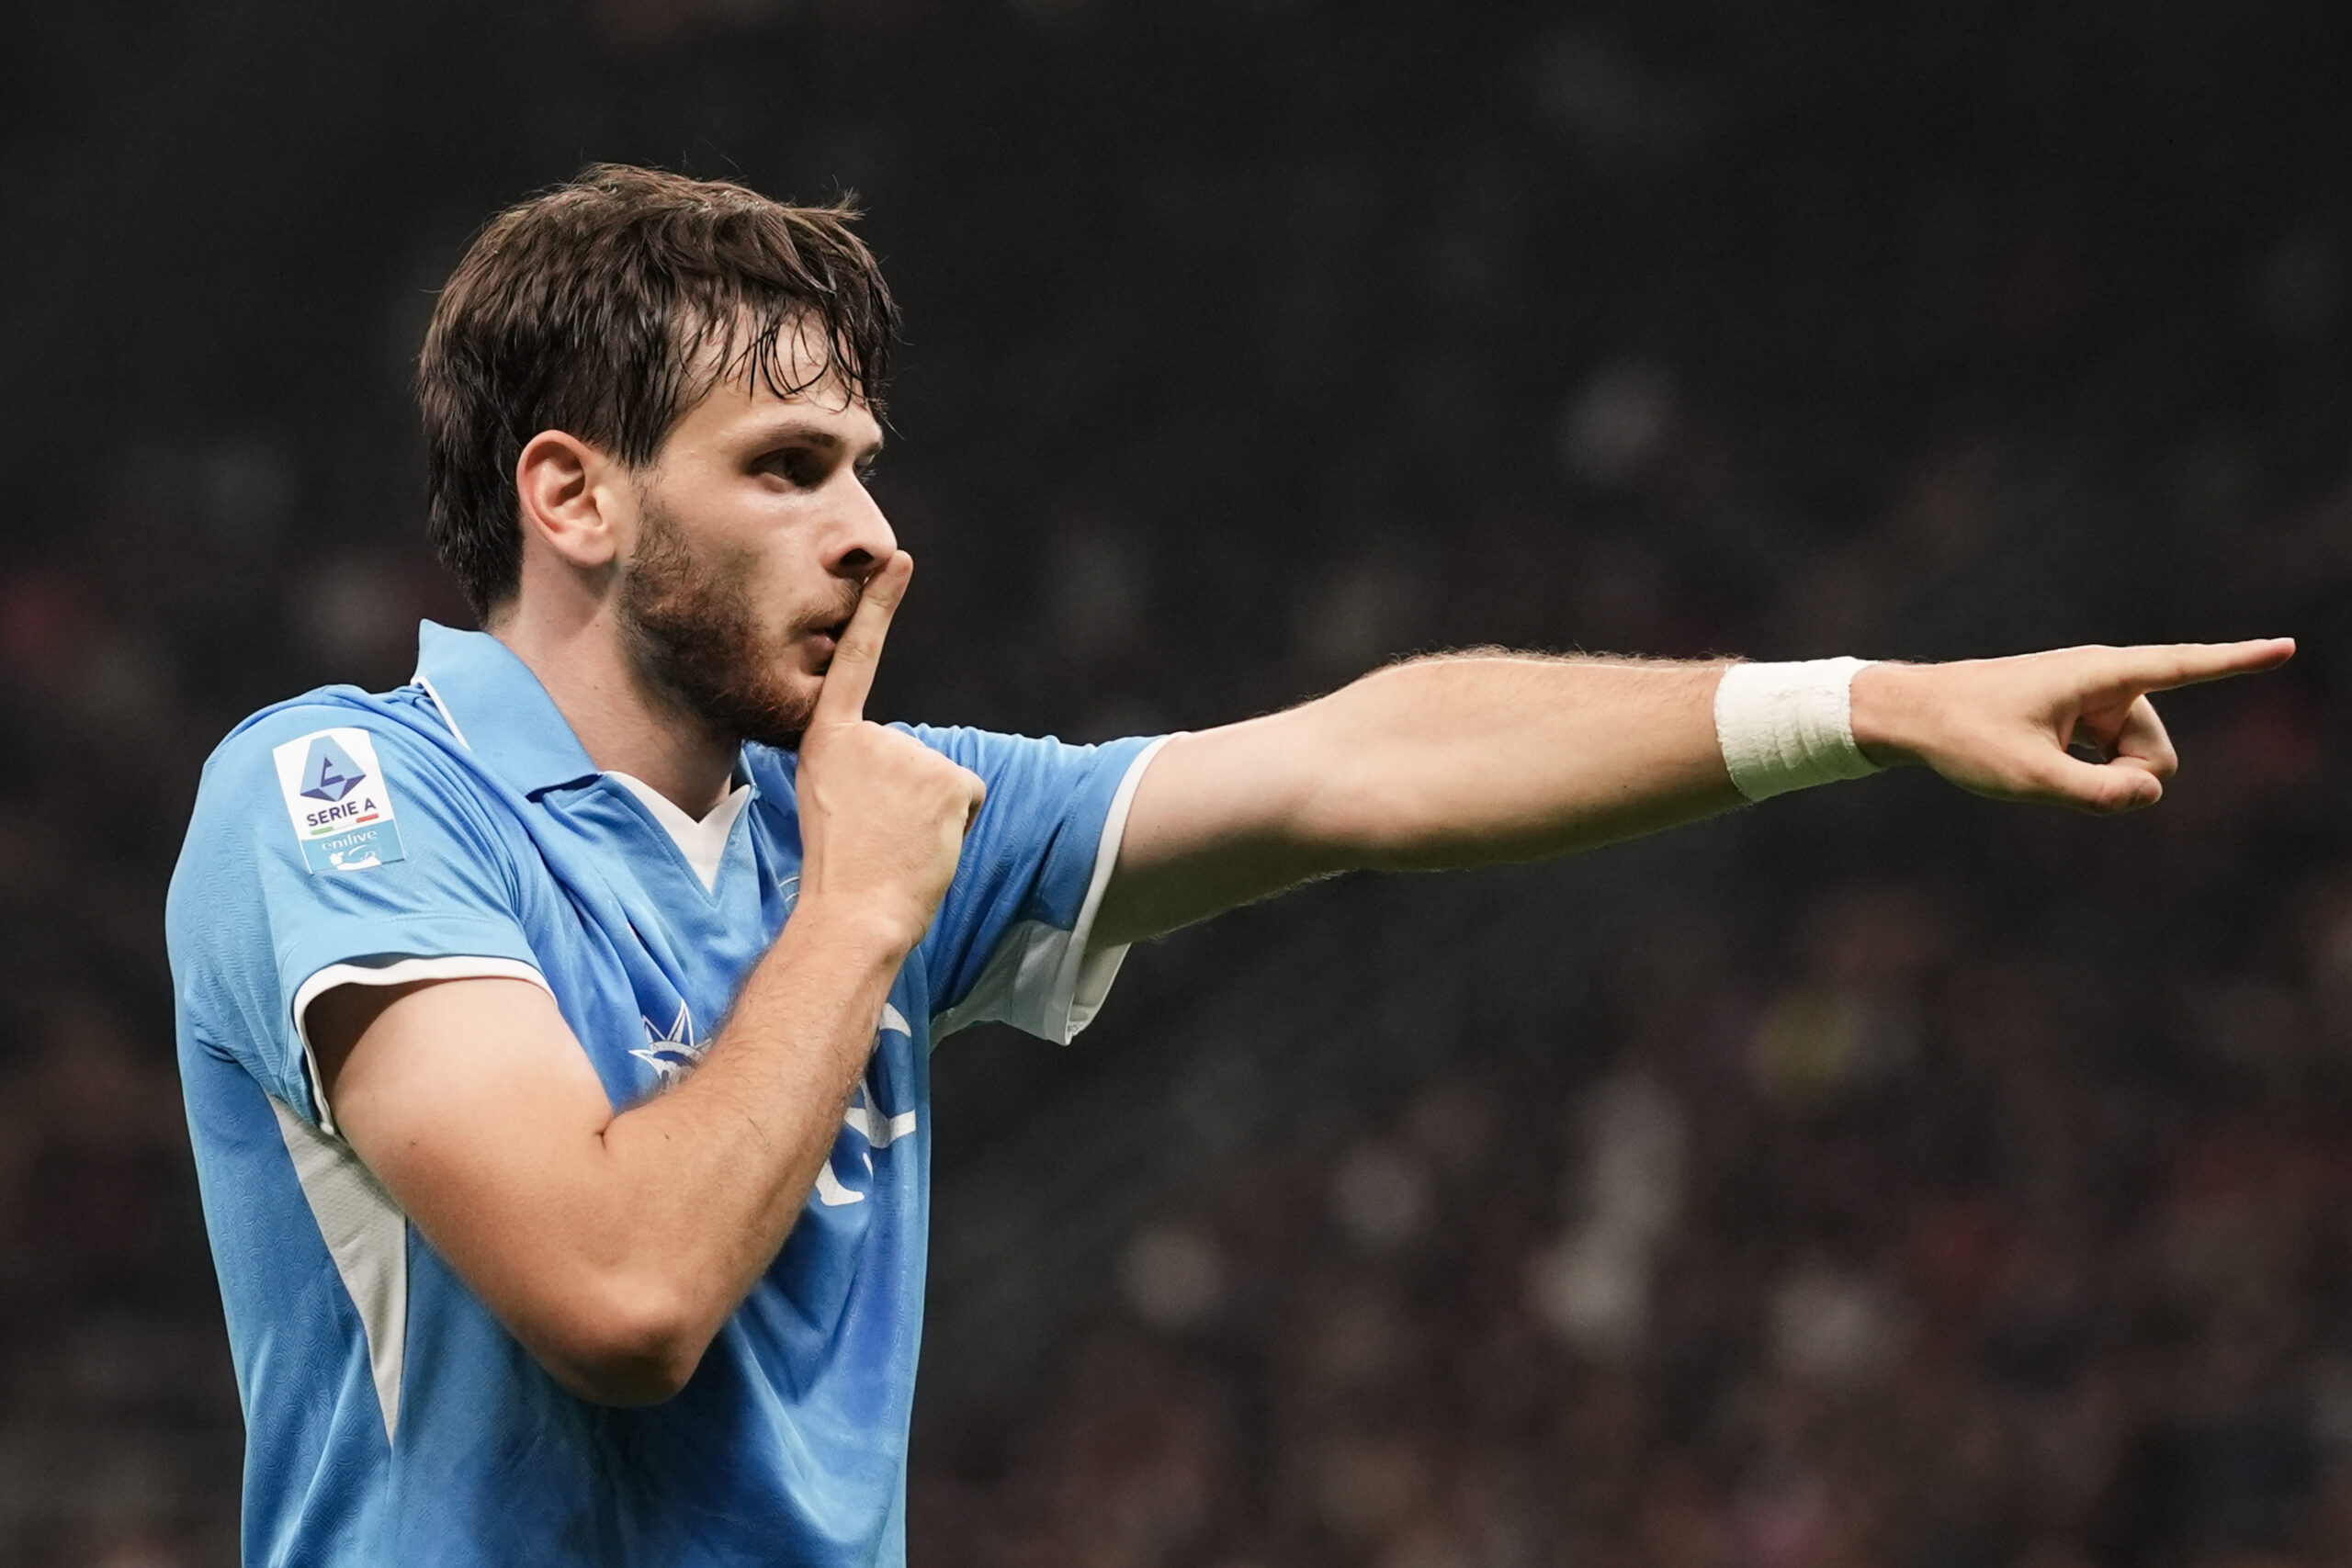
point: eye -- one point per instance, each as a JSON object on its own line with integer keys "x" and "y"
{"x": 797, "y": 465}
{"x": 865, "y": 472}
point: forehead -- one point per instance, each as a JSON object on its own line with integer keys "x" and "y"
{"x": 796, "y": 384}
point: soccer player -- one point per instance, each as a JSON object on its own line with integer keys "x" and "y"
{"x": 554, "y": 1028}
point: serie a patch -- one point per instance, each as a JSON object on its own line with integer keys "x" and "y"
{"x": 340, "y": 805}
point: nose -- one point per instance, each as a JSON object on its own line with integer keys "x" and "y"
{"x": 862, "y": 537}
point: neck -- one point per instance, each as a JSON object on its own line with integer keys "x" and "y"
{"x": 581, "y": 658}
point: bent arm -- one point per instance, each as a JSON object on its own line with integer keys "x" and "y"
{"x": 615, "y": 1245}
{"x": 612, "y": 1245}
{"x": 1472, "y": 759}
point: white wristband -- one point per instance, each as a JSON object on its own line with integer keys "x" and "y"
{"x": 1785, "y": 726}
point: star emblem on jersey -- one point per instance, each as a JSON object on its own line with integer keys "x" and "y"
{"x": 674, "y": 1052}
{"x": 328, "y": 772}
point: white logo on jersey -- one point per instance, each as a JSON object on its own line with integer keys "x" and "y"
{"x": 672, "y": 1052}
{"x": 863, "y": 1117}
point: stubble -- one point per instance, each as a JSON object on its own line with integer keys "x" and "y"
{"x": 696, "y": 641}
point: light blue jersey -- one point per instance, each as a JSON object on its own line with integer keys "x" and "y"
{"x": 454, "y": 827}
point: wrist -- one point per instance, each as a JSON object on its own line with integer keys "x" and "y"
{"x": 1789, "y": 726}
{"x": 1883, "y": 706}
{"x": 871, "y": 927}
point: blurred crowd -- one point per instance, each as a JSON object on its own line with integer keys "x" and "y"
{"x": 1878, "y": 1178}
{"x": 1923, "y": 1234}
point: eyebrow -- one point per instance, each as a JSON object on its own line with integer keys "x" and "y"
{"x": 815, "y": 435}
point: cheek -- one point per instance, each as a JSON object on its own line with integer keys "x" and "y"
{"x": 749, "y": 575}
{"x": 787, "y": 585}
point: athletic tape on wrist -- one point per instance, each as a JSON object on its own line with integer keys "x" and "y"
{"x": 1785, "y": 726}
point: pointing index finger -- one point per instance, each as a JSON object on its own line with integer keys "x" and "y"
{"x": 850, "y": 677}
{"x": 2161, "y": 668}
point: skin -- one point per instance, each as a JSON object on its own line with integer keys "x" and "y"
{"x": 1471, "y": 759}
{"x": 613, "y": 1243}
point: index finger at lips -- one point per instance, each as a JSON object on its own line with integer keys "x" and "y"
{"x": 850, "y": 678}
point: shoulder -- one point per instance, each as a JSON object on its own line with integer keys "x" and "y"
{"x": 984, "y": 752}
{"x": 1041, "y": 789}
{"x": 990, "y": 751}
{"x": 329, "y": 780}
{"x": 327, "y": 742}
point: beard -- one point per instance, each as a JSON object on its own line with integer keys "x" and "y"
{"x": 695, "y": 640}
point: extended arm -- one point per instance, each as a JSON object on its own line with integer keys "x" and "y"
{"x": 615, "y": 1245}
{"x": 1471, "y": 759}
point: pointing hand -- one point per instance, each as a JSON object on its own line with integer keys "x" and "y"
{"x": 2003, "y": 727}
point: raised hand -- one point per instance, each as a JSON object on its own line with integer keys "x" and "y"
{"x": 882, "y": 815}
{"x": 2003, "y": 727}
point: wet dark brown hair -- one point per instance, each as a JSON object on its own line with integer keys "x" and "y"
{"x": 605, "y": 308}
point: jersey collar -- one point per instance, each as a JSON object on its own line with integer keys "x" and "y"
{"x": 498, "y": 710}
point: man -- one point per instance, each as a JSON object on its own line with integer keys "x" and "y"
{"x": 554, "y": 1028}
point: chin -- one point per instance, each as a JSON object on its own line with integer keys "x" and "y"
{"x": 786, "y": 705}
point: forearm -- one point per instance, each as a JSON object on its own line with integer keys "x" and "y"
{"x": 1472, "y": 759}
{"x": 711, "y": 1175}
{"x": 613, "y": 1246}
{"x": 1459, "y": 761}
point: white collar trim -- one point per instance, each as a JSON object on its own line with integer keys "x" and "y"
{"x": 704, "y": 843}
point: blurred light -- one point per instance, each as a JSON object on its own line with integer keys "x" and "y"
{"x": 1593, "y": 1287}
{"x": 1358, "y": 616}
{"x": 1817, "y": 1041}
{"x": 44, "y": 625}
{"x": 1632, "y": 1179}
{"x": 1593, "y": 1290}
{"x": 123, "y": 682}
{"x": 1093, "y": 588}
{"x": 139, "y": 1552}
{"x": 1623, "y": 116}
{"x": 1617, "y": 424}
{"x": 2331, "y": 1402}
{"x": 358, "y": 610}
{"x": 1173, "y": 1277}
{"x": 1832, "y": 1324}
{"x": 1381, "y": 1196}
{"x": 248, "y": 490}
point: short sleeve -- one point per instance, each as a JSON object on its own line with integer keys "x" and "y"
{"x": 1011, "y": 942}
{"x": 330, "y": 846}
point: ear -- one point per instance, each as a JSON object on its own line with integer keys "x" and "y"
{"x": 568, "y": 502}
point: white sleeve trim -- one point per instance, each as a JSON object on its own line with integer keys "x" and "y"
{"x": 400, "y": 972}
{"x": 1042, "y": 979}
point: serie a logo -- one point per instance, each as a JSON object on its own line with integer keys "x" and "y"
{"x": 329, "y": 774}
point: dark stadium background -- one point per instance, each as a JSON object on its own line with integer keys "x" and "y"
{"x": 1880, "y": 1178}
